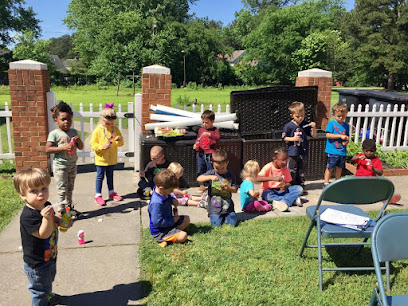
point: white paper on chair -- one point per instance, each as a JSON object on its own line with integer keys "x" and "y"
{"x": 345, "y": 219}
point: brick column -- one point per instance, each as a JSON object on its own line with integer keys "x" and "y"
{"x": 156, "y": 89}
{"x": 29, "y": 81}
{"x": 324, "y": 80}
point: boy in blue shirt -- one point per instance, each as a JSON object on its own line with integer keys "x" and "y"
{"x": 295, "y": 135}
{"x": 165, "y": 227}
{"x": 337, "y": 132}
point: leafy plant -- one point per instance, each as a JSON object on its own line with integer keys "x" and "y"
{"x": 184, "y": 99}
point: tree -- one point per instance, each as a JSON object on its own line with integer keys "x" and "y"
{"x": 258, "y": 5}
{"x": 378, "y": 32}
{"x": 62, "y": 46}
{"x": 14, "y": 17}
{"x": 29, "y": 47}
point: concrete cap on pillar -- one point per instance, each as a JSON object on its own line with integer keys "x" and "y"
{"x": 315, "y": 73}
{"x": 28, "y": 65}
{"x": 156, "y": 69}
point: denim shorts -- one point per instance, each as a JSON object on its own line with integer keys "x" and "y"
{"x": 335, "y": 160}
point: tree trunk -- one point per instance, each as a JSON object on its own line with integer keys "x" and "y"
{"x": 391, "y": 81}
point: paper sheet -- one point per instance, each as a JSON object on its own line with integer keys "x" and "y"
{"x": 345, "y": 219}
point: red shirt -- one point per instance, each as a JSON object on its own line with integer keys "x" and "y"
{"x": 364, "y": 169}
{"x": 211, "y": 142}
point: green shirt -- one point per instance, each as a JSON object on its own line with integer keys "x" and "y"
{"x": 59, "y": 138}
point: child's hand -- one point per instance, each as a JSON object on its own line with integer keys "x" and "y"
{"x": 142, "y": 174}
{"x": 278, "y": 178}
{"x": 75, "y": 138}
{"x": 106, "y": 146}
{"x": 362, "y": 157}
{"x": 185, "y": 192}
{"x": 66, "y": 147}
{"x": 214, "y": 178}
{"x": 206, "y": 134}
{"x": 313, "y": 124}
{"x": 118, "y": 138}
{"x": 344, "y": 137}
{"x": 47, "y": 212}
{"x": 195, "y": 147}
{"x": 297, "y": 138}
{"x": 256, "y": 194}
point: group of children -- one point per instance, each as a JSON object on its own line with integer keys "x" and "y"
{"x": 282, "y": 182}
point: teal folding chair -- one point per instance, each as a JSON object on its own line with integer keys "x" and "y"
{"x": 389, "y": 242}
{"x": 349, "y": 192}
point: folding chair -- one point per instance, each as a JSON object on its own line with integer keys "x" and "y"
{"x": 346, "y": 191}
{"x": 389, "y": 241}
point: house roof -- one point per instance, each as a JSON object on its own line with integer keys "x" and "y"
{"x": 58, "y": 63}
{"x": 234, "y": 58}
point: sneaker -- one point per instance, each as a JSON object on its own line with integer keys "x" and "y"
{"x": 114, "y": 196}
{"x": 299, "y": 202}
{"x": 54, "y": 299}
{"x": 280, "y": 205}
{"x": 325, "y": 185}
{"x": 99, "y": 201}
{"x": 163, "y": 244}
{"x": 394, "y": 199}
{"x": 202, "y": 204}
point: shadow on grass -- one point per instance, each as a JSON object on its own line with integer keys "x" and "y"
{"x": 117, "y": 296}
{"x": 198, "y": 229}
{"x": 243, "y": 216}
{"x": 107, "y": 210}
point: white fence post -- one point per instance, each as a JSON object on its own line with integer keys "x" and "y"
{"x": 138, "y": 130}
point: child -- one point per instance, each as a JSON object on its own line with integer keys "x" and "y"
{"x": 295, "y": 135}
{"x": 182, "y": 196}
{"x": 164, "y": 227}
{"x": 206, "y": 143}
{"x": 105, "y": 140}
{"x": 249, "y": 196}
{"x": 63, "y": 142}
{"x": 276, "y": 178}
{"x": 337, "y": 132}
{"x": 158, "y": 162}
{"x": 368, "y": 164}
{"x": 39, "y": 235}
{"x": 220, "y": 205}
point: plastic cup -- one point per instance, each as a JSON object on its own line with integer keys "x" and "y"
{"x": 81, "y": 237}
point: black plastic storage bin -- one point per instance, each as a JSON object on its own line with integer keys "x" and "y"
{"x": 181, "y": 151}
{"x": 262, "y": 113}
{"x": 371, "y": 97}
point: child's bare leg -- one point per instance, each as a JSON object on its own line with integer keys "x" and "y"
{"x": 337, "y": 173}
{"x": 327, "y": 175}
{"x": 185, "y": 223}
{"x": 192, "y": 203}
{"x": 195, "y": 198}
{"x": 182, "y": 237}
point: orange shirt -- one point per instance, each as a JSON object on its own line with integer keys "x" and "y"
{"x": 270, "y": 170}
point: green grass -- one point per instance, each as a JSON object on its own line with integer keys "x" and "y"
{"x": 255, "y": 263}
{"x": 10, "y": 202}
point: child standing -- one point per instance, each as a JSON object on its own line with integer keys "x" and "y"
{"x": 206, "y": 143}
{"x": 158, "y": 162}
{"x": 182, "y": 196}
{"x": 39, "y": 235}
{"x": 295, "y": 135}
{"x": 337, "y": 132}
{"x": 276, "y": 188}
{"x": 105, "y": 140}
{"x": 63, "y": 142}
{"x": 248, "y": 195}
{"x": 164, "y": 227}
{"x": 220, "y": 205}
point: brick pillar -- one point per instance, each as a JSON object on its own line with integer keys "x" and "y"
{"x": 156, "y": 89}
{"x": 324, "y": 80}
{"x": 29, "y": 81}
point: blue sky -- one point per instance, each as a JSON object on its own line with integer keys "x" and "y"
{"x": 52, "y": 13}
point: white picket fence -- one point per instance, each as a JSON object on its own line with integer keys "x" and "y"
{"x": 389, "y": 126}
{"x": 203, "y": 107}
{"x": 9, "y": 154}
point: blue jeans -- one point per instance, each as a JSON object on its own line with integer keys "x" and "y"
{"x": 217, "y": 220}
{"x": 203, "y": 163}
{"x": 40, "y": 281}
{"x": 336, "y": 161}
{"x": 288, "y": 196}
{"x": 100, "y": 174}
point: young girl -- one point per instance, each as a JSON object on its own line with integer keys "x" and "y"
{"x": 276, "y": 178}
{"x": 249, "y": 196}
{"x": 182, "y": 195}
{"x": 106, "y": 138}
{"x": 63, "y": 142}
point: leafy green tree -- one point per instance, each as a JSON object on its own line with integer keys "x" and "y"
{"x": 378, "y": 32}
{"x": 15, "y": 18}
{"x": 29, "y": 47}
{"x": 62, "y": 46}
{"x": 258, "y": 5}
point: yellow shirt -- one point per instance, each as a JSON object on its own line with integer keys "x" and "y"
{"x": 101, "y": 136}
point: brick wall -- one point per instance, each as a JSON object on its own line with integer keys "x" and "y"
{"x": 324, "y": 80}
{"x": 29, "y": 82}
{"x": 156, "y": 89}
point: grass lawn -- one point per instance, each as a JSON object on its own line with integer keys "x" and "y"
{"x": 255, "y": 263}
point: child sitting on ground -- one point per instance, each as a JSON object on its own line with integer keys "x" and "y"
{"x": 158, "y": 162}
{"x": 182, "y": 196}
{"x": 220, "y": 205}
{"x": 164, "y": 227}
{"x": 248, "y": 195}
{"x": 276, "y": 178}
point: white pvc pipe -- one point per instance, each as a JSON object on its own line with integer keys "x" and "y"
{"x": 176, "y": 111}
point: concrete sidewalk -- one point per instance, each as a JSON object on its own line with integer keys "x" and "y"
{"x": 105, "y": 271}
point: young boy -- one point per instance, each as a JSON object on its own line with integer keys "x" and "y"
{"x": 165, "y": 227}
{"x": 158, "y": 162}
{"x": 337, "y": 132}
{"x": 220, "y": 206}
{"x": 206, "y": 143}
{"x": 368, "y": 164}
{"x": 39, "y": 235}
{"x": 295, "y": 134}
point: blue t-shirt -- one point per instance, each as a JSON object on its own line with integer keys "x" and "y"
{"x": 289, "y": 131}
{"x": 335, "y": 146}
{"x": 245, "y": 197}
{"x": 160, "y": 213}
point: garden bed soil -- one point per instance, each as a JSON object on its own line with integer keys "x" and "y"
{"x": 388, "y": 170}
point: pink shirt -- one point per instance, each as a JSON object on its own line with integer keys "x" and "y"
{"x": 270, "y": 170}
